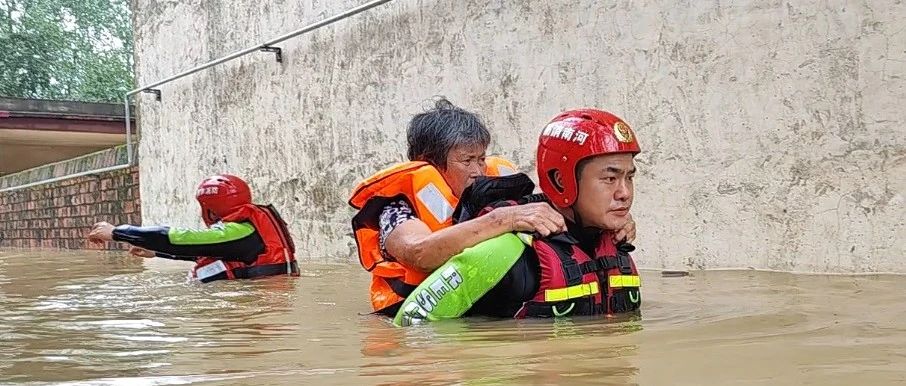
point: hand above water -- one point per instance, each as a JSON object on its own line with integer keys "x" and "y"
{"x": 101, "y": 232}
{"x": 141, "y": 252}
{"x": 535, "y": 217}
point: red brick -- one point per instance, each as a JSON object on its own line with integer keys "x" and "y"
{"x": 60, "y": 215}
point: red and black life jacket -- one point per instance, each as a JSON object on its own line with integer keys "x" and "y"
{"x": 574, "y": 283}
{"x": 278, "y": 257}
{"x": 570, "y": 281}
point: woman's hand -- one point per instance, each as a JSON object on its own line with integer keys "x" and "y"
{"x": 535, "y": 217}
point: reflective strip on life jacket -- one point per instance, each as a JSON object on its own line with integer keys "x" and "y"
{"x": 431, "y": 198}
{"x": 505, "y": 171}
{"x": 572, "y": 292}
{"x": 621, "y": 281}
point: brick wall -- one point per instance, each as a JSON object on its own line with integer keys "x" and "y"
{"x": 60, "y": 214}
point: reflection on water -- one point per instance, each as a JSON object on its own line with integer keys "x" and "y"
{"x": 92, "y": 318}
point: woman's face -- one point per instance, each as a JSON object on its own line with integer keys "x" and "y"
{"x": 464, "y": 164}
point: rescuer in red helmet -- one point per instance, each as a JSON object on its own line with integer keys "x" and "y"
{"x": 585, "y": 164}
{"x": 243, "y": 240}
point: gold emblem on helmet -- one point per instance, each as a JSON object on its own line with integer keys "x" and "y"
{"x": 622, "y": 132}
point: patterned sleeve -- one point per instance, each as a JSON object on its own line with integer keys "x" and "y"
{"x": 394, "y": 214}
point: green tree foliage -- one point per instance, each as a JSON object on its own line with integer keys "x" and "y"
{"x": 66, "y": 49}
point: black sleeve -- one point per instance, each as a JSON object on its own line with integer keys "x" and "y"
{"x": 229, "y": 241}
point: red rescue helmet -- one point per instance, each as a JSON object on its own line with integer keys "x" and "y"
{"x": 575, "y": 135}
{"x": 220, "y": 195}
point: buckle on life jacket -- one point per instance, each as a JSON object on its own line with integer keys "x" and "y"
{"x": 571, "y": 292}
{"x": 625, "y": 263}
{"x": 596, "y": 265}
{"x": 623, "y": 258}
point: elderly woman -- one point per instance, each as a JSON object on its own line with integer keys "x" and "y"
{"x": 404, "y": 227}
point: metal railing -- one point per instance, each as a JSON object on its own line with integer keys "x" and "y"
{"x": 267, "y": 46}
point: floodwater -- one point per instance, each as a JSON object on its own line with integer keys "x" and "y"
{"x": 87, "y": 318}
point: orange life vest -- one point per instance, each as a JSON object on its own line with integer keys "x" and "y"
{"x": 424, "y": 188}
{"x": 497, "y": 167}
{"x": 279, "y": 251}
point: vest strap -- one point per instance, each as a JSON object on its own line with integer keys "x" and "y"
{"x": 597, "y": 265}
{"x": 560, "y": 309}
{"x": 571, "y": 270}
{"x": 265, "y": 270}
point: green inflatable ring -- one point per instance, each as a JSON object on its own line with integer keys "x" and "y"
{"x": 452, "y": 289}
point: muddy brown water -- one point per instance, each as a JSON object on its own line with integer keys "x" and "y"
{"x": 87, "y": 318}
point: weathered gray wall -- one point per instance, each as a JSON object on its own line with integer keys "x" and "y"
{"x": 773, "y": 130}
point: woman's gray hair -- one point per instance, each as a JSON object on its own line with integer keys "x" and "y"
{"x": 433, "y": 133}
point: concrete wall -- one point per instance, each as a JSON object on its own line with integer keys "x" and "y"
{"x": 60, "y": 214}
{"x": 773, "y": 130}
